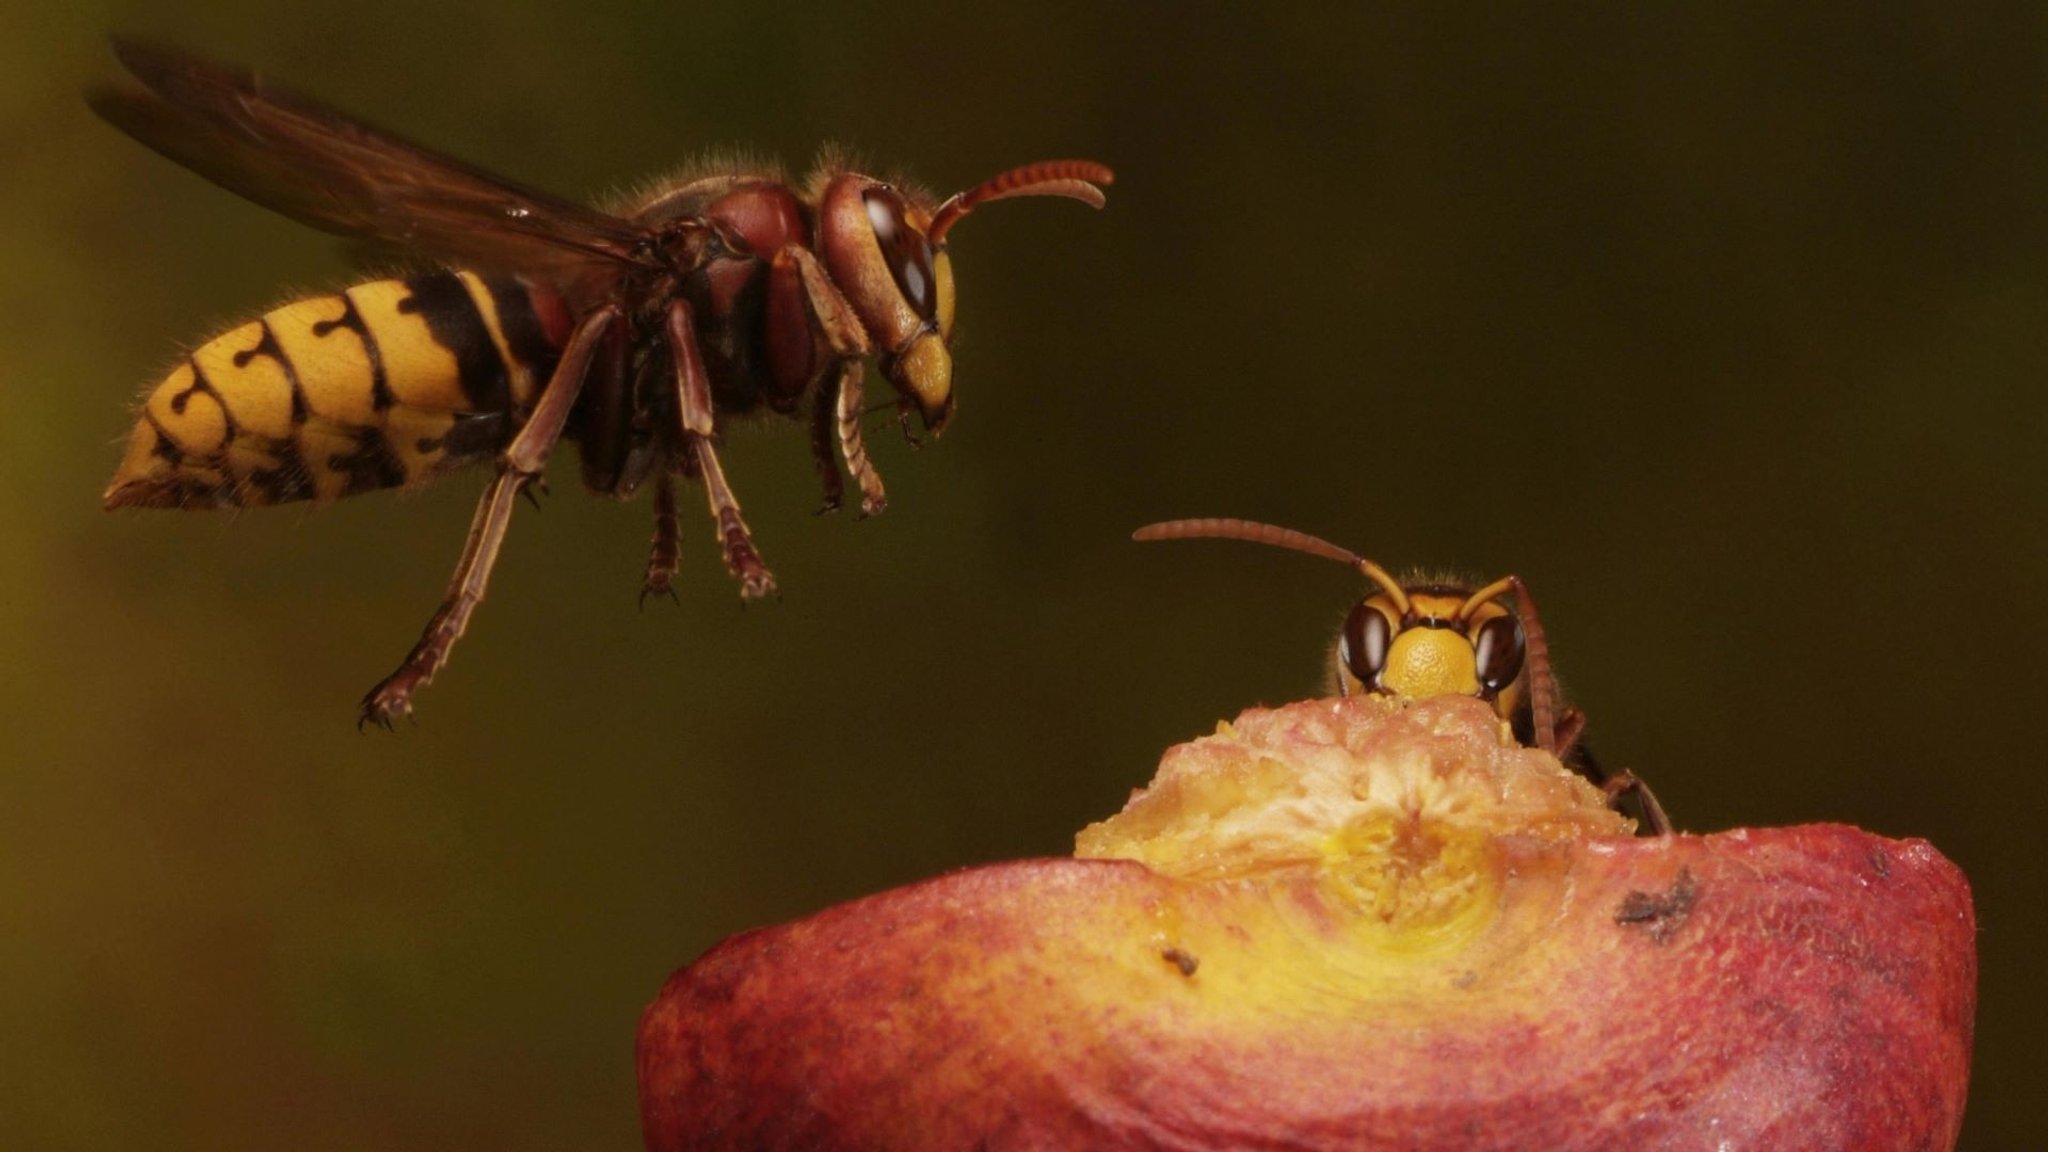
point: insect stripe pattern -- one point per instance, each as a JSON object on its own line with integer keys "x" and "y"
{"x": 388, "y": 383}
{"x": 632, "y": 333}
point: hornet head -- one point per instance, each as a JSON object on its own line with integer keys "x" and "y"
{"x": 885, "y": 248}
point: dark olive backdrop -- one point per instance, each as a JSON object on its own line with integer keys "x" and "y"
{"x": 1727, "y": 330}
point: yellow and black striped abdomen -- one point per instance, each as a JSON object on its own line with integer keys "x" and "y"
{"x": 388, "y": 383}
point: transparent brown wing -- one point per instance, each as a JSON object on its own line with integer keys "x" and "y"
{"x": 296, "y": 156}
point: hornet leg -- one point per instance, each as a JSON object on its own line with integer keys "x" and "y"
{"x": 849, "y": 343}
{"x": 522, "y": 461}
{"x": 695, "y": 413}
{"x": 824, "y": 414}
{"x": 666, "y": 555}
{"x": 1619, "y": 786}
{"x": 873, "y": 499}
{"x": 1558, "y": 733}
{"x": 1624, "y": 784}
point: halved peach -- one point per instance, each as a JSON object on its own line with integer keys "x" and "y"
{"x": 1358, "y": 924}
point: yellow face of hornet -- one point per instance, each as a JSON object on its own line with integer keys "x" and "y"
{"x": 1433, "y": 640}
{"x": 889, "y": 250}
{"x": 1426, "y": 638}
{"x": 886, "y": 248}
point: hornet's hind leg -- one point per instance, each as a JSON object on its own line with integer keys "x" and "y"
{"x": 522, "y": 462}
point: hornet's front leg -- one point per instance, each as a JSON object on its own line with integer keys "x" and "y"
{"x": 521, "y": 463}
{"x": 695, "y": 428}
{"x": 1557, "y": 729}
{"x": 1624, "y": 784}
{"x": 848, "y": 342}
{"x": 824, "y": 417}
{"x": 873, "y": 499}
{"x": 1619, "y": 786}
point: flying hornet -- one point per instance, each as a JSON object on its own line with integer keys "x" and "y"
{"x": 634, "y": 334}
{"x": 1427, "y": 637}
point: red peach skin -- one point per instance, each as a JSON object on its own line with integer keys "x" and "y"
{"x": 1337, "y": 966}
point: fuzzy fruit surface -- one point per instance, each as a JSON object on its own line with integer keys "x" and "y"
{"x": 1357, "y": 924}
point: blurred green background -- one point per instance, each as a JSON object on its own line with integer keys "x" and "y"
{"x": 1726, "y": 328}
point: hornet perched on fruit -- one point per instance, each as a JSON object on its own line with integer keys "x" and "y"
{"x": 1429, "y": 637}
